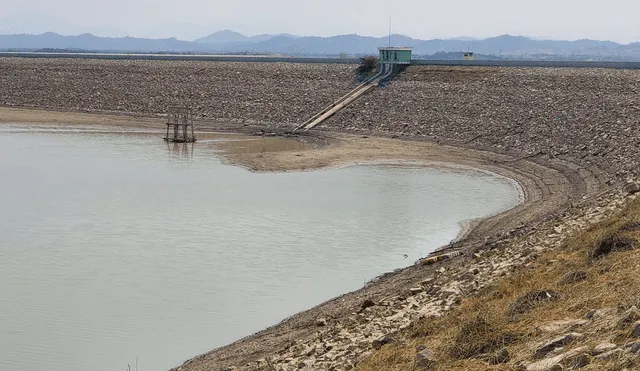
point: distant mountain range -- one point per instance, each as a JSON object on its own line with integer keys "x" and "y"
{"x": 227, "y": 41}
{"x": 232, "y": 37}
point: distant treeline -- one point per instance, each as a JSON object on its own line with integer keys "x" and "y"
{"x": 91, "y": 51}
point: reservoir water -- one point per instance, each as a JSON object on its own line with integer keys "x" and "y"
{"x": 115, "y": 246}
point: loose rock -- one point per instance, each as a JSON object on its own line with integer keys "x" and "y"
{"x": 602, "y": 348}
{"x": 378, "y": 343}
{"x": 368, "y": 303}
{"x": 558, "y": 342}
{"x": 572, "y": 357}
{"x": 609, "y": 355}
{"x": 425, "y": 360}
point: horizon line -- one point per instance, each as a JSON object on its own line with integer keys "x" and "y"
{"x": 284, "y": 34}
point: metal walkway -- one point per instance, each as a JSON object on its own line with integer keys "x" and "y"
{"x": 350, "y": 97}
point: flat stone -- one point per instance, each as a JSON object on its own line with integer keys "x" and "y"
{"x": 602, "y": 348}
{"x": 415, "y": 290}
{"x": 556, "y": 363}
{"x": 427, "y": 281}
{"x": 609, "y": 355}
{"x": 563, "y": 325}
{"x": 629, "y": 316}
{"x": 446, "y": 293}
{"x": 598, "y": 313}
{"x": 634, "y": 348}
{"x": 558, "y": 342}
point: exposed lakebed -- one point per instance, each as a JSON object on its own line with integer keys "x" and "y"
{"x": 117, "y": 246}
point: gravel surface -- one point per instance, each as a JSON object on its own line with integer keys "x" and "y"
{"x": 588, "y": 115}
{"x": 268, "y": 93}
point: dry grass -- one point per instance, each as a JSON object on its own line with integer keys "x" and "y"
{"x": 466, "y": 337}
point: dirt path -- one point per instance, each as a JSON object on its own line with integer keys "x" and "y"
{"x": 549, "y": 186}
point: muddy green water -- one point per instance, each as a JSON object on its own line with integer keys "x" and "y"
{"x": 115, "y": 246}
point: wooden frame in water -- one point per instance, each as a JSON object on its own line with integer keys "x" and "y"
{"x": 180, "y": 125}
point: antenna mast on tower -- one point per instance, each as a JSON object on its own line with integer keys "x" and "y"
{"x": 389, "y": 31}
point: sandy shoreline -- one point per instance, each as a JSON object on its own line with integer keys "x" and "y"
{"x": 339, "y": 152}
{"x": 546, "y": 186}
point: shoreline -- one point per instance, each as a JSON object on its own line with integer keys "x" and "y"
{"x": 44, "y": 117}
{"x": 466, "y": 226}
{"x": 544, "y": 188}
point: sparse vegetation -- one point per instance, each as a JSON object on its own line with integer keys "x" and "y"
{"x": 563, "y": 290}
{"x": 367, "y": 65}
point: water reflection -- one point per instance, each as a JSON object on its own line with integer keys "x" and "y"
{"x": 180, "y": 151}
{"x": 113, "y": 249}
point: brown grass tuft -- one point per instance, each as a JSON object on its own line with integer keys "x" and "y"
{"x": 467, "y": 336}
{"x": 612, "y": 243}
{"x": 481, "y": 335}
{"x": 530, "y": 300}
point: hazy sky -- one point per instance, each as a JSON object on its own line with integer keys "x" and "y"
{"x": 615, "y": 20}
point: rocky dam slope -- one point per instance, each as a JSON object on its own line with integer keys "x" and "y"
{"x": 229, "y": 92}
{"x": 569, "y": 136}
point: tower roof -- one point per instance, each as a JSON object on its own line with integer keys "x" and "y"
{"x": 396, "y": 48}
